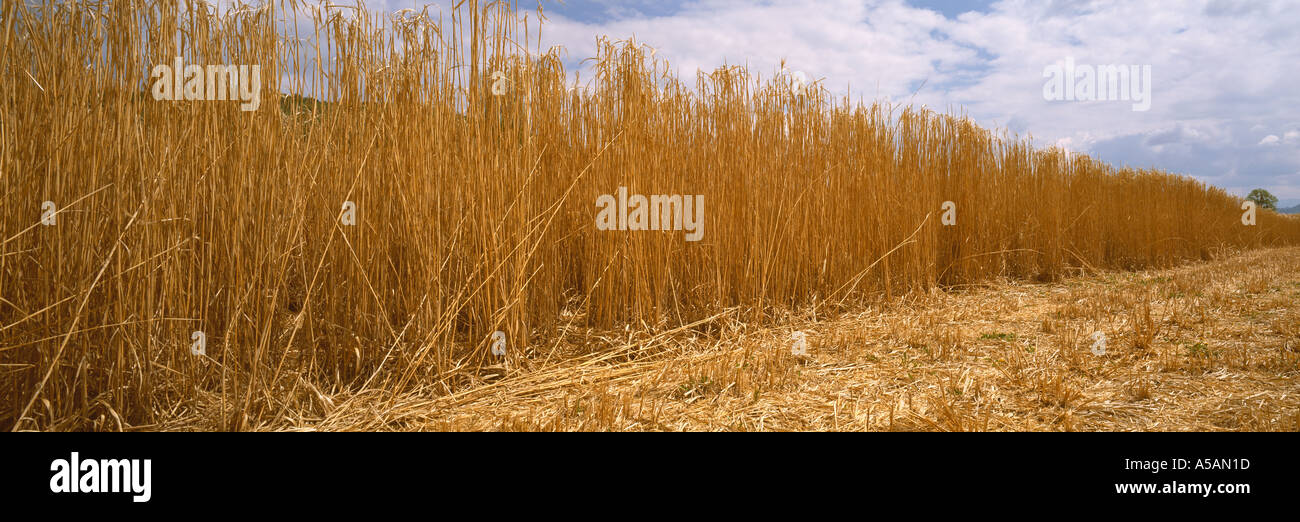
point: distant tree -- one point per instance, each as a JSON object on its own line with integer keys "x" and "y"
{"x": 1262, "y": 198}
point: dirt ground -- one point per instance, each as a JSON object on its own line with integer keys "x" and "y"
{"x": 1213, "y": 346}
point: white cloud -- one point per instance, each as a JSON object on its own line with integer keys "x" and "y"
{"x": 1271, "y": 139}
{"x": 1218, "y": 68}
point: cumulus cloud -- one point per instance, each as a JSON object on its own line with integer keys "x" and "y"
{"x": 1223, "y": 72}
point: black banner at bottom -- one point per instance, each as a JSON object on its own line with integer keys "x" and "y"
{"x": 300, "y": 472}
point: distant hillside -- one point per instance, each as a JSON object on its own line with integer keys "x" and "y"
{"x": 1289, "y": 210}
{"x": 295, "y": 104}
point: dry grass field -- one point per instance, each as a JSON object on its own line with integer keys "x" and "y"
{"x": 1207, "y": 347}
{"x": 346, "y": 263}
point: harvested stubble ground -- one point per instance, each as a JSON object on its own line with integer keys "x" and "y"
{"x": 1208, "y": 347}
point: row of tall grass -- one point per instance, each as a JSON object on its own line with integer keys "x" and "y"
{"x": 473, "y": 211}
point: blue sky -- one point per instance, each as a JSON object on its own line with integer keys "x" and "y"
{"x": 1224, "y": 73}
